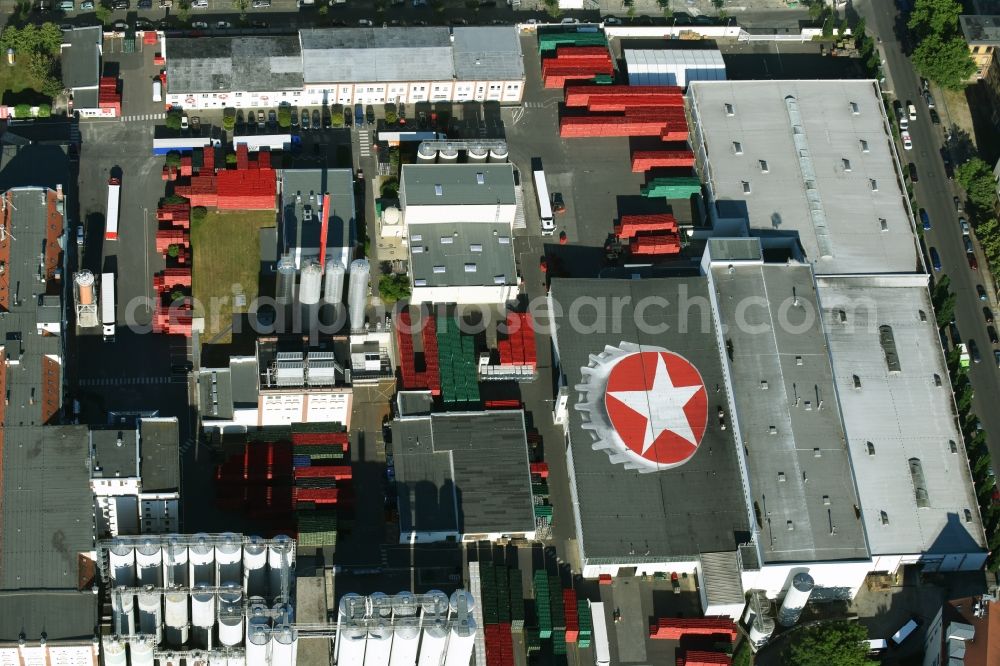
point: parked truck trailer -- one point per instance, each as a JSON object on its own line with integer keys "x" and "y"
{"x": 108, "y": 305}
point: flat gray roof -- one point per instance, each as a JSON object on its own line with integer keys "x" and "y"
{"x": 623, "y": 515}
{"x": 905, "y": 414}
{"x": 458, "y": 184}
{"x": 59, "y": 614}
{"x": 160, "y": 447}
{"x": 114, "y": 453}
{"x": 81, "y": 61}
{"x": 224, "y": 64}
{"x": 488, "y": 54}
{"x": 980, "y": 30}
{"x": 451, "y": 478}
{"x": 215, "y": 393}
{"x": 459, "y": 254}
{"x": 788, "y": 416}
{"x": 246, "y": 380}
{"x": 302, "y": 193}
{"x": 804, "y": 131}
{"x": 333, "y": 55}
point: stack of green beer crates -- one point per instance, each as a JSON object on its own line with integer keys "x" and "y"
{"x": 586, "y": 623}
{"x": 548, "y": 41}
{"x": 457, "y": 360}
{"x": 488, "y": 581}
{"x": 543, "y": 604}
{"x": 503, "y": 595}
{"x": 516, "y": 595}
{"x": 532, "y": 641}
{"x": 558, "y": 615}
{"x": 678, "y": 187}
{"x": 317, "y": 527}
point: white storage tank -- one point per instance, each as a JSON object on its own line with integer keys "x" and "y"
{"x": 760, "y": 630}
{"x": 499, "y": 153}
{"x": 150, "y": 612}
{"x": 280, "y": 561}
{"x": 462, "y": 641}
{"x": 231, "y": 617}
{"x": 405, "y": 641}
{"x": 203, "y": 607}
{"x": 435, "y": 603}
{"x": 121, "y": 559}
{"x": 176, "y": 618}
{"x": 379, "y": 643}
{"x": 285, "y": 283}
{"x": 310, "y": 283}
{"x": 477, "y": 154}
{"x": 258, "y": 639}
{"x": 123, "y": 605}
{"x": 201, "y": 556}
{"x": 284, "y": 642}
{"x": 426, "y": 154}
{"x": 333, "y": 282}
{"x": 381, "y": 604}
{"x": 114, "y": 652}
{"x": 448, "y": 155}
{"x": 434, "y": 641}
{"x": 796, "y": 599}
{"x": 351, "y": 643}
{"x": 228, "y": 554}
{"x": 283, "y": 613}
{"x": 141, "y": 650}
{"x": 175, "y": 562}
{"x": 405, "y": 604}
{"x": 149, "y": 560}
{"x": 255, "y": 567}
{"x": 357, "y": 293}
{"x": 461, "y": 602}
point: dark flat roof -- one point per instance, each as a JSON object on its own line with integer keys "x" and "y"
{"x": 115, "y": 453}
{"x": 696, "y": 507}
{"x": 60, "y": 614}
{"x": 227, "y": 64}
{"x": 472, "y": 255}
{"x": 160, "y": 447}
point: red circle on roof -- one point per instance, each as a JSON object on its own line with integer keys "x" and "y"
{"x": 658, "y": 405}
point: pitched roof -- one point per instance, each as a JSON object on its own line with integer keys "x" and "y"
{"x": 490, "y": 53}
{"x": 225, "y": 64}
{"x": 331, "y": 55}
{"x": 81, "y": 60}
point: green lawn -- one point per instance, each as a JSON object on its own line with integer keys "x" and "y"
{"x": 18, "y": 85}
{"x": 226, "y": 253}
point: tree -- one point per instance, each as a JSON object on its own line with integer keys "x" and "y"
{"x": 22, "y": 111}
{"x": 50, "y": 38}
{"x": 284, "y": 117}
{"x": 173, "y": 250}
{"x": 44, "y": 110}
{"x": 173, "y": 119}
{"x": 199, "y": 213}
{"x": 934, "y": 17}
{"x": 172, "y": 199}
{"x": 173, "y": 159}
{"x": 337, "y": 118}
{"x": 836, "y": 643}
{"x": 392, "y": 288}
{"x": 241, "y": 6}
{"x": 976, "y": 178}
{"x": 230, "y": 158}
{"x": 391, "y": 117}
{"x": 945, "y": 61}
{"x": 102, "y": 13}
{"x": 390, "y": 188}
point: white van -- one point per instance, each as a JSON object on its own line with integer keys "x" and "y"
{"x": 904, "y": 632}
{"x": 157, "y": 91}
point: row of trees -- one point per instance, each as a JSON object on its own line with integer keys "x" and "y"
{"x": 941, "y": 54}
{"x": 37, "y": 48}
{"x": 976, "y": 178}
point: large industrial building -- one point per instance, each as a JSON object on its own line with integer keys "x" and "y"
{"x": 324, "y": 66}
{"x": 303, "y": 193}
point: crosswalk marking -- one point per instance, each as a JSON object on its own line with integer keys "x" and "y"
{"x": 534, "y": 105}
{"x": 129, "y": 381}
{"x": 143, "y": 117}
{"x": 364, "y": 143}
{"x": 519, "y": 222}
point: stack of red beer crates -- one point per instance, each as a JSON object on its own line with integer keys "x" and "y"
{"x": 649, "y": 234}
{"x": 704, "y": 658}
{"x": 644, "y": 160}
{"x": 572, "y": 616}
{"x": 108, "y": 96}
{"x": 674, "y": 628}
{"x": 429, "y": 377}
{"x": 625, "y": 111}
{"x": 576, "y": 63}
{"x": 517, "y": 345}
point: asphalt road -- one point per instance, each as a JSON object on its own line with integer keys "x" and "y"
{"x": 934, "y": 193}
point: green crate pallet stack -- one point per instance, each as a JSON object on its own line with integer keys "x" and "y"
{"x": 559, "y": 641}
{"x": 678, "y": 187}
{"x": 550, "y": 40}
{"x": 317, "y": 528}
{"x": 488, "y": 581}
{"x": 543, "y": 511}
{"x": 532, "y": 641}
{"x": 604, "y": 79}
{"x": 503, "y": 596}
{"x": 586, "y": 623}
{"x": 556, "y": 603}
{"x": 540, "y": 489}
{"x": 320, "y": 452}
{"x": 457, "y": 358}
{"x": 516, "y": 595}
{"x": 320, "y": 426}
{"x": 543, "y": 604}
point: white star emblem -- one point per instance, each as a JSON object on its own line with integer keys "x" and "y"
{"x": 662, "y": 406}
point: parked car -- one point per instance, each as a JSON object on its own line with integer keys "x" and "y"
{"x": 569, "y": 21}
{"x": 949, "y": 168}
{"x": 964, "y": 226}
{"x": 87, "y": 4}
{"x": 79, "y": 235}
{"x": 935, "y": 259}
{"x": 200, "y": 4}
{"x": 272, "y": 119}
{"x": 558, "y": 205}
{"x": 911, "y": 110}
{"x": 912, "y": 169}
{"x": 996, "y": 358}
{"x": 958, "y": 204}
{"x": 359, "y": 115}
{"x": 987, "y": 314}
{"x": 973, "y": 262}
{"x": 370, "y": 115}
{"x": 974, "y": 351}
{"x": 980, "y": 292}
{"x": 122, "y": 4}
{"x": 199, "y": 25}
{"x": 251, "y": 120}
{"x": 907, "y": 140}
{"x": 612, "y": 20}
{"x": 924, "y": 84}
{"x": 67, "y": 5}
{"x": 315, "y": 119}
{"x": 968, "y": 245}
{"x": 261, "y": 123}
{"x": 935, "y": 118}
{"x": 295, "y": 118}
{"x": 260, "y": 4}
{"x": 929, "y": 99}
{"x": 184, "y": 122}
{"x": 365, "y": 23}
{"x": 305, "y": 119}
{"x": 925, "y": 220}
{"x": 327, "y": 118}
{"x": 120, "y": 26}
{"x": 241, "y": 122}
{"x": 223, "y": 25}
{"x": 992, "y": 334}
{"x": 144, "y": 4}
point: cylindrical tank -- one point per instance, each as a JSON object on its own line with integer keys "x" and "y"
{"x": 114, "y": 652}
{"x": 122, "y": 561}
{"x": 123, "y": 605}
{"x": 795, "y": 599}
{"x": 379, "y": 643}
{"x": 448, "y": 155}
{"x": 761, "y": 630}
{"x": 150, "y": 612}
{"x": 432, "y": 646}
{"x": 426, "y": 154}
{"x": 351, "y": 606}
{"x": 255, "y": 567}
{"x": 149, "y": 560}
{"x": 435, "y": 602}
{"x": 310, "y": 283}
{"x": 228, "y": 554}
{"x": 477, "y": 154}
{"x": 499, "y": 153}
{"x": 381, "y": 604}
{"x": 283, "y": 613}
{"x": 461, "y": 642}
{"x": 333, "y": 282}
{"x": 141, "y": 650}
{"x": 351, "y": 642}
{"x": 391, "y": 217}
{"x": 404, "y": 604}
{"x": 175, "y": 562}
{"x": 85, "y": 287}
{"x": 231, "y": 617}
{"x": 201, "y": 556}
{"x": 285, "y": 282}
{"x": 258, "y": 637}
{"x": 284, "y": 642}
{"x": 176, "y": 618}
{"x": 461, "y": 602}
{"x": 203, "y": 607}
{"x": 405, "y": 641}
{"x": 280, "y": 560}
{"x": 357, "y": 293}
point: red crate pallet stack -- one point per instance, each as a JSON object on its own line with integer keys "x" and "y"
{"x": 429, "y": 378}
{"x": 644, "y": 160}
{"x": 540, "y": 469}
{"x": 517, "y": 346}
{"x": 335, "y": 472}
{"x": 572, "y": 617}
{"x": 655, "y": 244}
{"x": 673, "y": 628}
{"x": 704, "y": 658}
{"x": 582, "y": 95}
{"x": 631, "y": 225}
{"x": 504, "y": 403}
{"x": 341, "y": 439}
{"x": 576, "y": 63}
{"x": 108, "y": 96}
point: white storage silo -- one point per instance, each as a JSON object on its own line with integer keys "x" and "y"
{"x": 352, "y": 640}
{"x": 404, "y": 604}
{"x": 149, "y": 561}
{"x": 283, "y": 613}
{"x": 285, "y": 283}
{"x": 461, "y": 642}
{"x": 231, "y": 617}
{"x": 379, "y": 643}
{"x": 228, "y": 554}
{"x": 499, "y": 153}
{"x": 121, "y": 559}
{"x": 405, "y": 641}
{"x": 280, "y": 560}
{"x": 435, "y": 602}
{"x": 123, "y": 606}
{"x": 176, "y": 618}
{"x": 434, "y": 641}
{"x": 150, "y": 612}
{"x": 203, "y": 607}
{"x": 258, "y": 639}
{"x": 333, "y": 282}
{"x": 310, "y": 283}
{"x": 426, "y": 154}
{"x": 284, "y": 642}
{"x": 175, "y": 562}
{"x": 461, "y": 602}
{"x": 448, "y": 155}
{"x": 141, "y": 650}
{"x": 201, "y": 557}
{"x": 381, "y": 604}
{"x": 477, "y": 154}
{"x": 357, "y": 293}
{"x": 760, "y": 630}
{"x": 255, "y": 567}
{"x": 795, "y": 599}
{"x": 114, "y": 652}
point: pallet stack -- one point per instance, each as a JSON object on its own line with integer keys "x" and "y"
{"x": 517, "y": 346}
{"x": 610, "y": 110}
{"x": 674, "y": 628}
{"x": 571, "y": 611}
{"x": 542, "y": 604}
{"x": 550, "y": 41}
{"x": 576, "y": 63}
{"x": 586, "y": 623}
{"x": 680, "y": 187}
{"x": 704, "y": 658}
{"x": 457, "y": 358}
{"x": 502, "y": 605}
{"x": 644, "y": 160}
{"x": 412, "y": 376}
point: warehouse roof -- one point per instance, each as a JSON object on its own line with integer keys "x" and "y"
{"x": 246, "y": 380}
{"x": 460, "y": 254}
{"x": 451, "y": 478}
{"x": 58, "y": 614}
{"x": 215, "y": 393}
{"x": 160, "y": 448}
{"x": 333, "y": 55}
{"x": 114, "y": 452}
{"x": 678, "y": 512}
{"x": 81, "y": 63}
{"x": 301, "y": 200}
{"x": 980, "y": 30}
{"x": 787, "y": 412}
{"x": 660, "y": 67}
{"x": 488, "y": 54}
{"x": 907, "y": 451}
{"x": 810, "y": 160}
{"x": 225, "y": 64}
{"x": 456, "y": 185}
